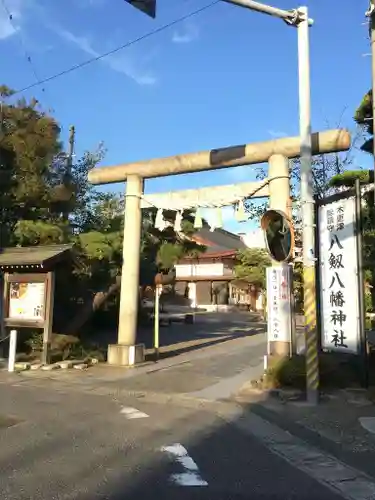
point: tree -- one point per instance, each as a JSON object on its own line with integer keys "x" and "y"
{"x": 43, "y": 201}
{"x": 100, "y": 258}
{"x": 35, "y": 187}
{"x": 252, "y": 266}
{"x": 29, "y": 141}
{"x": 363, "y": 116}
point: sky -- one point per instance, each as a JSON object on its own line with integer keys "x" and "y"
{"x": 223, "y": 77}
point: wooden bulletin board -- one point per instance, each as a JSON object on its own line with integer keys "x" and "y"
{"x": 28, "y": 303}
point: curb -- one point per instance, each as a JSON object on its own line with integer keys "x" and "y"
{"x": 63, "y": 365}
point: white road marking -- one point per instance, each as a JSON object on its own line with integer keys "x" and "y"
{"x": 132, "y": 413}
{"x": 368, "y": 423}
{"x": 191, "y": 476}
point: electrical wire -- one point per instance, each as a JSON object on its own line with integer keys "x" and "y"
{"x": 4, "y": 338}
{"x": 39, "y": 80}
{"x": 120, "y": 47}
{"x": 23, "y": 43}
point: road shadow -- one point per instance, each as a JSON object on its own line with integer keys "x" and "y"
{"x": 345, "y": 393}
{"x": 248, "y": 465}
{"x": 235, "y": 464}
{"x": 208, "y": 330}
{"x": 174, "y": 348}
{"x": 230, "y": 464}
{"x": 177, "y": 338}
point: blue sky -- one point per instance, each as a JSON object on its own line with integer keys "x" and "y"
{"x": 224, "y": 77}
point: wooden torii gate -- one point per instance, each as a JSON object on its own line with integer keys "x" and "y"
{"x": 276, "y": 152}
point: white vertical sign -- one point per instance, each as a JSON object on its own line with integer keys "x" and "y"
{"x": 339, "y": 294}
{"x": 279, "y": 303}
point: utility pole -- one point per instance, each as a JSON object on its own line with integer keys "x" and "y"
{"x": 1, "y": 170}
{"x": 2, "y": 223}
{"x": 308, "y": 211}
{"x": 371, "y": 15}
{"x": 67, "y": 178}
{"x": 69, "y": 159}
{"x": 372, "y": 22}
{"x": 299, "y": 19}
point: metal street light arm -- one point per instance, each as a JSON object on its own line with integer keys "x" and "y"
{"x": 292, "y": 17}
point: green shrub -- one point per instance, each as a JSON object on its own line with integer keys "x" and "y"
{"x": 335, "y": 370}
{"x": 62, "y": 346}
{"x": 35, "y": 342}
{"x": 368, "y": 302}
{"x": 287, "y": 373}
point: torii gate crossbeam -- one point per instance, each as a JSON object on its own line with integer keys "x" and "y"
{"x": 330, "y": 141}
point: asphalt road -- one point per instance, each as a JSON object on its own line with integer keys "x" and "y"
{"x": 168, "y": 430}
{"x": 61, "y": 444}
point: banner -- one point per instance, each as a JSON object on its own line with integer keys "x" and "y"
{"x": 339, "y": 295}
{"x": 279, "y": 303}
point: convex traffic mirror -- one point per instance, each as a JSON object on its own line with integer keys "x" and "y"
{"x": 279, "y": 235}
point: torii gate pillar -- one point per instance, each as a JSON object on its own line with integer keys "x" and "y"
{"x": 126, "y": 351}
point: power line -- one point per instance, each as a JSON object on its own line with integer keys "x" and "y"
{"x": 26, "y": 53}
{"x": 119, "y": 48}
{"x": 39, "y": 81}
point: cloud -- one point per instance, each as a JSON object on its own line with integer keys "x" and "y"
{"x": 121, "y": 62}
{"x": 124, "y": 64}
{"x": 80, "y": 41}
{"x": 84, "y": 4}
{"x": 277, "y": 134}
{"x": 234, "y": 175}
{"x": 211, "y": 216}
{"x": 188, "y": 34}
{"x": 10, "y": 27}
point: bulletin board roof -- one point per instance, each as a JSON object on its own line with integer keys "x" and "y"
{"x": 33, "y": 257}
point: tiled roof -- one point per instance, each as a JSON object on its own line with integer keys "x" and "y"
{"x": 219, "y": 240}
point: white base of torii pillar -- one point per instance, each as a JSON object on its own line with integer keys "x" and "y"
{"x": 127, "y": 352}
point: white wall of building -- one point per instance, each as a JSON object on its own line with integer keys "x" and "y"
{"x": 185, "y": 270}
{"x": 254, "y": 239}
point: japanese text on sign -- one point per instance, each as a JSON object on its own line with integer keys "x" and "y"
{"x": 279, "y": 306}
{"x": 338, "y": 275}
{"x": 26, "y": 301}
